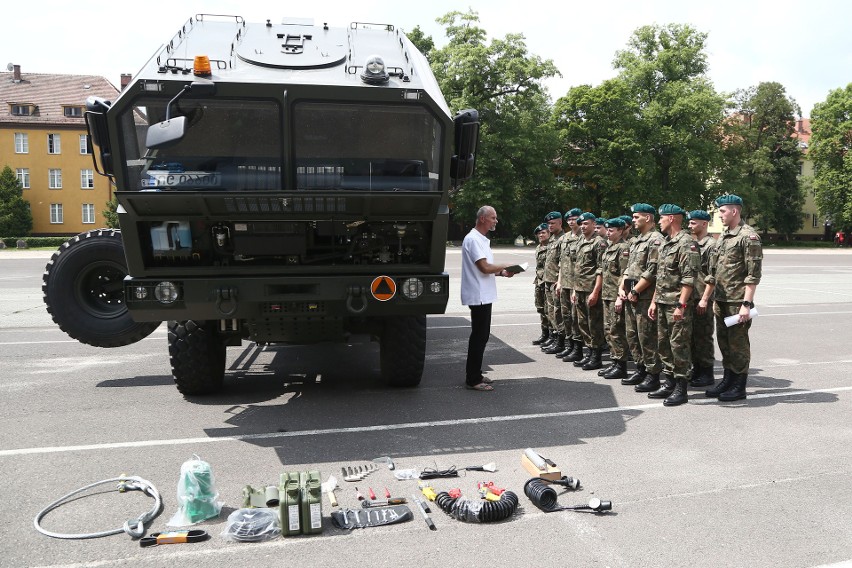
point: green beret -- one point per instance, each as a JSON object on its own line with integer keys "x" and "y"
{"x": 599, "y": 220}
{"x": 586, "y": 217}
{"x": 540, "y": 228}
{"x": 628, "y": 219}
{"x": 729, "y": 199}
{"x": 615, "y": 223}
{"x": 552, "y": 215}
{"x": 671, "y": 209}
{"x": 576, "y": 212}
{"x": 699, "y": 215}
{"x": 643, "y": 208}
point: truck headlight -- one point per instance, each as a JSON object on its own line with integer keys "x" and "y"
{"x": 166, "y": 292}
{"x": 412, "y": 288}
{"x": 141, "y": 292}
{"x": 435, "y": 287}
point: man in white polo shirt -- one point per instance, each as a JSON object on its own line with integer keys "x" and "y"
{"x": 479, "y": 292}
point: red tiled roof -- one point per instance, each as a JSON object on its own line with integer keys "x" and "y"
{"x": 50, "y": 93}
{"x": 802, "y": 132}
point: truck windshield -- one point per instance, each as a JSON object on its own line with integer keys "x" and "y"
{"x": 229, "y": 144}
{"x": 365, "y": 147}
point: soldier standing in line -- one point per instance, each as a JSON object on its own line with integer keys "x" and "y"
{"x": 637, "y": 287}
{"x": 600, "y": 227}
{"x": 703, "y": 349}
{"x": 587, "y": 291}
{"x": 551, "y": 274}
{"x": 671, "y": 307}
{"x": 735, "y": 272}
{"x": 565, "y": 284}
{"x": 541, "y": 234}
{"x": 613, "y": 264}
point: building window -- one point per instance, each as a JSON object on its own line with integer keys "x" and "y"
{"x": 53, "y": 145}
{"x": 85, "y": 144}
{"x": 22, "y": 143}
{"x": 801, "y": 168}
{"x": 73, "y": 111}
{"x": 24, "y": 177}
{"x": 54, "y": 179}
{"x": 87, "y": 179}
{"x": 814, "y": 220}
{"x": 88, "y": 213}
{"x": 21, "y": 110}
{"x": 56, "y": 213}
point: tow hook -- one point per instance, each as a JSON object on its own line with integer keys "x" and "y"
{"x": 353, "y": 293}
{"x": 226, "y": 296}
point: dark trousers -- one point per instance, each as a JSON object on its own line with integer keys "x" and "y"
{"x": 480, "y": 331}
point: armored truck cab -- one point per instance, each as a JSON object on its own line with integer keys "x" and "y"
{"x": 278, "y": 183}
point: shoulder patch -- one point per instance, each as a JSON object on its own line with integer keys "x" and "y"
{"x": 625, "y": 253}
{"x": 658, "y": 242}
{"x": 753, "y": 237}
{"x": 693, "y": 248}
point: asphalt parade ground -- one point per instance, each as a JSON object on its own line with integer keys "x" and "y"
{"x": 760, "y": 482}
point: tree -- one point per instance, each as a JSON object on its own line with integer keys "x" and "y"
{"x": 831, "y": 124}
{"x": 421, "y": 41}
{"x": 517, "y": 144}
{"x": 763, "y": 157}
{"x": 679, "y": 111}
{"x": 16, "y": 219}
{"x": 111, "y": 213}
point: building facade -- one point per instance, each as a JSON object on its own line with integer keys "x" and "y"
{"x": 43, "y": 140}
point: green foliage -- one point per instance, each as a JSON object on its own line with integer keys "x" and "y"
{"x": 517, "y": 144}
{"x": 35, "y": 242}
{"x": 16, "y": 219}
{"x": 421, "y": 41}
{"x": 831, "y": 124}
{"x": 110, "y": 213}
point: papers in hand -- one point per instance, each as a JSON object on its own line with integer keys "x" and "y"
{"x": 735, "y": 319}
{"x": 518, "y": 268}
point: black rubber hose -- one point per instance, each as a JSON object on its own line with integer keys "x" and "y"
{"x": 541, "y": 494}
{"x": 491, "y": 511}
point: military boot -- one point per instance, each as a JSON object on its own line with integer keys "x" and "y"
{"x": 549, "y": 341}
{"x": 608, "y": 368}
{"x": 594, "y": 361}
{"x": 702, "y": 377}
{"x": 636, "y": 377}
{"x": 727, "y": 382}
{"x": 678, "y": 395}
{"x": 545, "y": 333}
{"x": 737, "y": 390}
{"x": 576, "y": 353}
{"x": 617, "y": 372}
{"x": 650, "y": 384}
{"x": 569, "y": 346}
{"x": 557, "y": 345}
{"x": 586, "y": 354}
{"x": 666, "y": 389}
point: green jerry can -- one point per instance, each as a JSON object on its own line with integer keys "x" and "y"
{"x": 288, "y": 491}
{"x": 310, "y": 485}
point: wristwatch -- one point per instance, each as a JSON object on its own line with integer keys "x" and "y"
{"x": 633, "y": 291}
{"x": 748, "y": 304}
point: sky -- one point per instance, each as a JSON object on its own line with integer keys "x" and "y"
{"x": 805, "y": 46}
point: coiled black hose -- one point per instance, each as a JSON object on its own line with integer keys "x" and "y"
{"x": 541, "y": 494}
{"x": 464, "y": 509}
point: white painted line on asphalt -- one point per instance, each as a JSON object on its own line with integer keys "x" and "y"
{"x": 389, "y": 427}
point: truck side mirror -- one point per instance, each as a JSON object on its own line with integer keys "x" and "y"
{"x": 463, "y": 161}
{"x": 172, "y": 130}
{"x": 96, "y": 125}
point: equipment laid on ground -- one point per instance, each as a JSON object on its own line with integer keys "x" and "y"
{"x": 328, "y": 488}
{"x": 351, "y": 473}
{"x": 252, "y": 525}
{"x": 196, "y": 494}
{"x": 372, "y": 517}
{"x": 544, "y": 497}
{"x": 133, "y": 527}
{"x": 297, "y": 500}
{"x": 367, "y": 503}
{"x": 424, "y": 510}
{"x": 539, "y": 466}
{"x": 173, "y": 537}
{"x": 478, "y": 510}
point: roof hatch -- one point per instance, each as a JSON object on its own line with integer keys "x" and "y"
{"x": 294, "y": 47}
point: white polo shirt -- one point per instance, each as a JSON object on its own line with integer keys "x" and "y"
{"x": 477, "y": 287}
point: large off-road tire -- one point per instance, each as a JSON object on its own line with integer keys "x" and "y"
{"x": 83, "y": 287}
{"x": 403, "y": 350}
{"x": 197, "y": 355}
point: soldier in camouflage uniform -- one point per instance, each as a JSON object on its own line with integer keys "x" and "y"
{"x": 551, "y": 274}
{"x": 735, "y": 272}
{"x": 600, "y": 227}
{"x": 542, "y": 234}
{"x": 703, "y": 349}
{"x": 613, "y": 264}
{"x": 637, "y": 287}
{"x": 678, "y": 261}
{"x": 565, "y": 284}
{"x": 586, "y": 296}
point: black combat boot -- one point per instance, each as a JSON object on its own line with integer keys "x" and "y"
{"x": 702, "y": 377}
{"x": 576, "y": 353}
{"x": 666, "y": 389}
{"x": 737, "y": 390}
{"x": 726, "y": 383}
{"x": 636, "y": 377}
{"x": 557, "y": 345}
{"x": 549, "y": 341}
{"x": 650, "y": 384}
{"x": 617, "y": 372}
{"x": 608, "y": 368}
{"x": 569, "y": 346}
{"x": 678, "y": 396}
{"x": 545, "y": 333}
{"x": 594, "y": 361}
{"x": 587, "y": 353}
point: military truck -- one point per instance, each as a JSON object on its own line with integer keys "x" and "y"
{"x": 280, "y": 183}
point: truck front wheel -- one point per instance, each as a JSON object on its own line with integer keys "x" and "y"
{"x": 403, "y": 350}
{"x": 197, "y": 355}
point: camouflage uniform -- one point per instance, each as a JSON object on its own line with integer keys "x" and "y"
{"x": 566, "y": 281}
{"x": 678, "y": 262}
{"x": 703, "y": 350}
{"x": 642, "y": 330}
{"x": 737, "y": 261}
{"x": 586, "y": 257}
{"x": 551, "y": 273}
{"x": 613, "y": 264}
{"x": 538, "y": 283}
